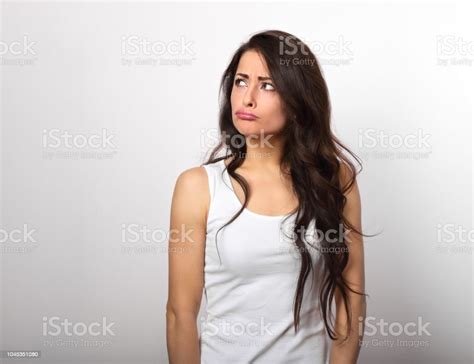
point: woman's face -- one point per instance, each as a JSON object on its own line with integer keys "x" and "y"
{"x": 254, "y": 93}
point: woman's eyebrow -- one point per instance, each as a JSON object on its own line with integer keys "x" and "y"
{"x": 260, "y": 78}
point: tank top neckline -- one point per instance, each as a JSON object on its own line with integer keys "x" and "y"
{"x": 239, "y": 204}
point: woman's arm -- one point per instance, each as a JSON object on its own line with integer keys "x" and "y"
{"x": 347, "y": 352}
{"x": 186, "y": 265}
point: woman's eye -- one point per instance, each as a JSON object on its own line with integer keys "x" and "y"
{"x": 237, "y": 81}
{"x": 269, "y": 84}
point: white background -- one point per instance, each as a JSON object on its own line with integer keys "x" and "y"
{"x": 390, "y": 69}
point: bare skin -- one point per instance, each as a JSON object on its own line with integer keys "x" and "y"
{"x": 272, "y": 195}
{"x": 189, "y": 209}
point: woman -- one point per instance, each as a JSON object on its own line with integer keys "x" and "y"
{"x": 263, "y": 223}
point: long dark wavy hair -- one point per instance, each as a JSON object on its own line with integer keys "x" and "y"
{"x": 312, "y": 152}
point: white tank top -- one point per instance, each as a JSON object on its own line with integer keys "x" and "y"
{"x": 250, "y": 290}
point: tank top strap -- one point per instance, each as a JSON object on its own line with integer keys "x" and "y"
{"x": 215, "y": 177}
{"x": 211, "y": 179}
{"x": 221, "y": 194}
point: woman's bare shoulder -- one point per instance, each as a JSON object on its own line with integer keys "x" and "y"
{"x": 191, "y": 190}
{"x": 194, "y": 176}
